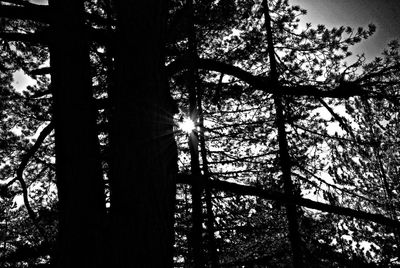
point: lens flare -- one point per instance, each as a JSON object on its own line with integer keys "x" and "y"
{"x": 187, "y": 125}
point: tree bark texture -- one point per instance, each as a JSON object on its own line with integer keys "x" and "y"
{"x": 143, "y": 147}
{"x": 78, "y": 170}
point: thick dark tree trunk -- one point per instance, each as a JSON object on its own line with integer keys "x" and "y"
{"x": 143, "y": 149}
{"x": 79, "y": 175}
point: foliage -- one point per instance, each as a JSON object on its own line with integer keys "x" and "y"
{"x": 344, "y": 148}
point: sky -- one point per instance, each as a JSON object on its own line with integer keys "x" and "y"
{"x": 40, "y": 2}
{"x": 385, "y": 14}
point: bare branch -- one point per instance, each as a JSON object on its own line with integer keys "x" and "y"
{"x": 36, "y": 38}
{"x": 280, "y": 197}
{"x": 338, "y": 118}
{"x": 41, "y": 71}
{"x": 28, "y": 12}
{"x": 263, "y": 83}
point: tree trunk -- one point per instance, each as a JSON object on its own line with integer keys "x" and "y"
{"x": 79, "y": 175}
{"x": 197, "y": 187}
{"x": 143, "y": 149}
{"x": 284, "y": 156}
{"x": 212, "y": 247}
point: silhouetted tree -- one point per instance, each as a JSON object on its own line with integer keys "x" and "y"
{"x": 265, "y": 93}
{"x": 143, "y": 150}
{"x": 79, "y": 175}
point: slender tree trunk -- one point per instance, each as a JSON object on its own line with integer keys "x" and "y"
{"x": 197, "y": 186}
{"x": 78, "y": 169}
{"x": 284, "y": 156}
{"x": 212, "y": 247}
{"x": 143, "y": 147}
{"x": 197, "y": 207}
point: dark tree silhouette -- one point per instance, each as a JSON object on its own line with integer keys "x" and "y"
{"x": 255, "y": 84}
{"x": 143, "y": 150}
{"x": 285, "y": 160}
{"x": 79, "y": 176}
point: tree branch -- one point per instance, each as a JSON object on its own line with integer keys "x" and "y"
{"x": 28, "y": 12}
{"x": 280, "y": 197}
{"x": 41, "y": 71}
{"x": 259, "y": 82}
{"x": 24, "y": 162}
{"x": 338, "y": 118}
{"x": 37, "y": 38}
{"x": 23, "y": 3}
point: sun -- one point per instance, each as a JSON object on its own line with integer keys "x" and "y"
{"x": 187, "y": 125}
